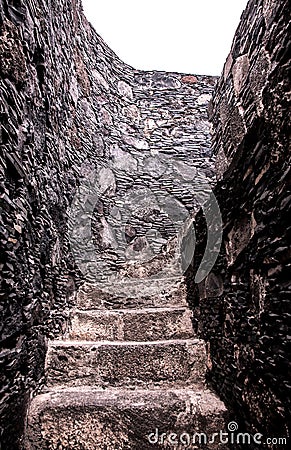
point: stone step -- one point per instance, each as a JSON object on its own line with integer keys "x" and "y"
{"x": 150, "y": 324}
{"x": 90, "y": 297}
{"x": 91, "y": 419}
{"x": 102, "y": 364}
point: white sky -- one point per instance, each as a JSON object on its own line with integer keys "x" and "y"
{"x": 191, "y": 36}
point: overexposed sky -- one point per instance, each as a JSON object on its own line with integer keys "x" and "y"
{"x": 191, "y": 36}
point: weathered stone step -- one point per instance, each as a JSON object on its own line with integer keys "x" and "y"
{"x": 91, "y": 419}
{"x": 150, "y": 324}
{"x": 75, "y": 363}
{"x": 91, "y": 297}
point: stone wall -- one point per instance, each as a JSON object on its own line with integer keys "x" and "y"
{"x": 241, "y": 309}
{"x": 69, "y": 106}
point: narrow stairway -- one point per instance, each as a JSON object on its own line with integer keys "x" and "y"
{"x": 129, "y": 373}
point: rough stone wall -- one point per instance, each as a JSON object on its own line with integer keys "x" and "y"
{"x": 68, "y": 105}
{"x": 241, "y": 308}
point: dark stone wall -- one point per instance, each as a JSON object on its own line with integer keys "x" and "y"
{"x": 241, "y": 308}
{"x": 68, "y": 105}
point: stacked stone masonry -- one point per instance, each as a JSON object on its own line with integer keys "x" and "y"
{"x": 69, "y": 106}
{"x": 242, "y": 308}
{"x": 123, "y": 388}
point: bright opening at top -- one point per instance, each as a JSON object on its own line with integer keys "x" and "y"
{"x": 188, "y": 36}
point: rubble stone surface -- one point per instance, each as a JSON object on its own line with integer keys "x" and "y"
{"x": 241, "y": 308}
{"x": 69, "y": 107}
{"x": 72, "y": 113}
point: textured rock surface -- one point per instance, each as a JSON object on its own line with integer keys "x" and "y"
{"x": 241, "y": 309}
{"x": 150, "y": 324}
{"x": 116, "y": 394}
{"x": 85, "y": 363}
{"x": 69, "y": 106}
{"x": 90, "y": 296}
{"x": 123, "y": 419}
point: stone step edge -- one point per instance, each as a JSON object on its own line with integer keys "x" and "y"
{"x": 75, "y": 343}
{"x": 90, "y": 396}
{"x": 130, "y": 324}
{"x": 153, "y": 386}
{"x": 100, "y": 311}
{"x": 184, "y": 405}
{"x": 108, "y": 306}
{"x": 178, "y": 283}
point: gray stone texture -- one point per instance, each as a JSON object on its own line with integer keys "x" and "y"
{"x": 84, "y": 363}
{"x": 69, "y": 106}
{"x": 241, "y": 309}
{"x": 121, "y": 419}
{"x": 150, "y": 324}
{"x": 132, "y": 376}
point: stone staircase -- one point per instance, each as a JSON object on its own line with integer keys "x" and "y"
{"x": 126, "y": 377}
